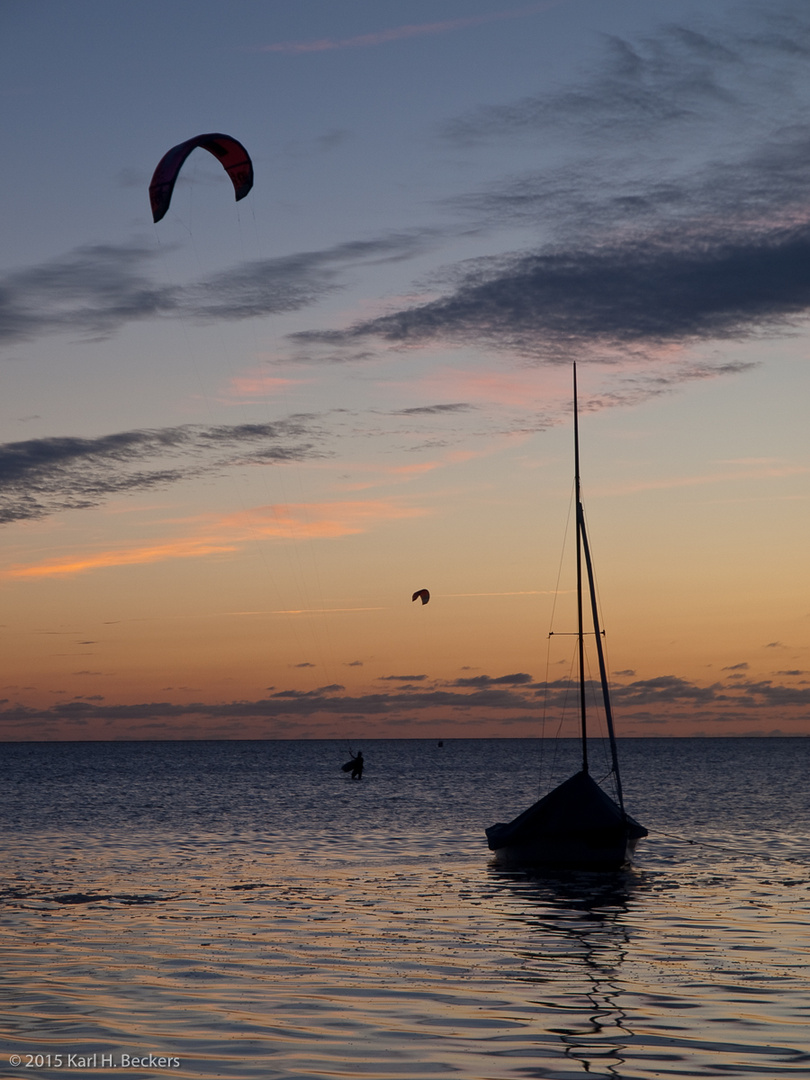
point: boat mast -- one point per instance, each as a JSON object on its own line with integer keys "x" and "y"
{"x": 600, "y": 652}
{"x": 580, "y": 626}
{"x": 582, "y": 541}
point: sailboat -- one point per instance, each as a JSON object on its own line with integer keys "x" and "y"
{"x": 577, "y": 824}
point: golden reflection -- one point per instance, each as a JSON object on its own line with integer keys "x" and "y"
{"x": 579, "y": 939}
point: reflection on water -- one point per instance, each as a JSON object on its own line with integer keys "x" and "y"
{"x": 250, "y": 911}
{"x": 651, "y": 975}
{"x": 580, "y": 934}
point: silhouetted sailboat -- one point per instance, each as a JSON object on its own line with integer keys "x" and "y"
{"x": 577, "y": 824}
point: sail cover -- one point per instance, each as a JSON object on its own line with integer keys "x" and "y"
{"x": 577, "y": 811}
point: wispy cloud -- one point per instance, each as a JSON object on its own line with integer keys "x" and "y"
{"x": 98, "y": 289}
{"x": 706, "y": 81}
{"x": 69, "y": 565}
{"x": 294, "y": 521}
{"x": 233, "y": 532}
{"x": 39, "y": 477}
{"x": 486, "y": 386}
{"x": 434, "y": 410}
{"x": 726, "y": 477}
{"x": 372, "y": 474}
{"x": 399, "y": 33}
{"x": 680, "y": 219}
{"x": 259, "y": 385}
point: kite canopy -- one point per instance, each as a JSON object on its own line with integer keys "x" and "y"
{"x": 421, "y": 594}
{"x": 235, "y": 161}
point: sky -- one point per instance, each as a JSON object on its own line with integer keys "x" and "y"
{"x": 235, "y": 442}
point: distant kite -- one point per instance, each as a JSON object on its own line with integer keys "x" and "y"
{"x": 235, "y": 161}
{"x": 421, "y": 594}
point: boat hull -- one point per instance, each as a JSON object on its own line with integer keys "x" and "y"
{"x": 575, "y": 826}
{"x": 566, "y": 853}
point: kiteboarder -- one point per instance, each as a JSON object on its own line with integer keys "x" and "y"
{"x": 357, "y": 766}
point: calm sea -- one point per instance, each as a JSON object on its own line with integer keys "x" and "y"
{"x": 243, "y": 909}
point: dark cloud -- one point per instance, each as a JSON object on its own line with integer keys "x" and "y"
{"x": 630, "y": 295}
{"x": 588, "y": 201}
{"x": 94, "y": 289}
{"x": 316, "y": 695}
{"x": 434, "y": 410}
{"x": 480, "y": 681}
{"x": 673, "y": 691}
{"x": 39, "y": 477}
{"x": 271, "y": 286}
{"x": 340, "y": 355}
{"x": 98, "y": 289}
{"x": 293, "y": 703}
{"x": 504, "y": 697}
{"x": 664, "y": 84}
{"x": 666, "y": 689}
{"x": 638, "y": 89}
{"x": 670, "y": 207}
{"x": 401, "y": 678}
{"x": 767, "y": 693}
{"x": 667, "y": 206}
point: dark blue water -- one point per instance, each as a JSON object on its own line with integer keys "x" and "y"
{"x": 246, "y": 910}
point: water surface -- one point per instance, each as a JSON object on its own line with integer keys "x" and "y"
{"x": 246, "y": 910}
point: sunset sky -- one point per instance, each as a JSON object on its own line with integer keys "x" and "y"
{"x": 235, "y": 442}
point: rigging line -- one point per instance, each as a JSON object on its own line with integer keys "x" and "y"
{"x": 301, "y": 557}
{"x": 551, "y": 634}
{"x": 224, "y": 350}
{"x": 548, "y": 767}
{"x": 188, "y": 227}
{"x": 305, "y": 636}
{"x": 544, "y": 711}
{"x": 183, "y": 324}
{"x": 291, "y": 550}
{"x": 564, "y": 711}
{"x": 724, "y": 847}
{"x": 562, "y": 558}
{"x": 598, "y": 737}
